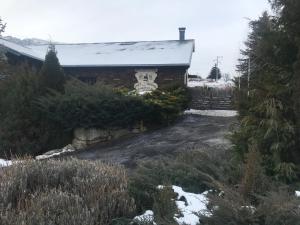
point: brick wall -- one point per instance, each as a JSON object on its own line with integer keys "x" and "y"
{"x": 114, "y": 76}
{"x": 125, "y": 76}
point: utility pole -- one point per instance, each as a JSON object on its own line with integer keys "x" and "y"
{"x": 217, "y": 60}
{"x": 249, "y": 72}
{"x": 240, "y": 80}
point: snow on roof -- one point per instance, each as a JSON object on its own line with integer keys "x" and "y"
{"x": 142, "y": 53}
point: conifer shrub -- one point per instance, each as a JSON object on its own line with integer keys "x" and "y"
{"x": 166, "y": 105}
{"x": 63, "y": 192}
{"x": 52, "y": 75}
{"x": 23, "y": 129}
{"x": 98, "y": 106}
{"x": 35, "y": 120}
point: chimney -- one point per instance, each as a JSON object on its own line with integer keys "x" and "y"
{"x": 182, "y": 33}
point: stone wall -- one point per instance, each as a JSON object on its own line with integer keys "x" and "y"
{"x": 204, "y": 98}
{"x": 83, "y": 137}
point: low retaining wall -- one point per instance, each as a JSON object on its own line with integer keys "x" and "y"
{"x": 84, "y": 137}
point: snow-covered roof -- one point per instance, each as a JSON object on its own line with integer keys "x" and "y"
{"x": 142, "y": 53}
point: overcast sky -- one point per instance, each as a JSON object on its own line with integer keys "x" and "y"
{"x": 218, "y": 26}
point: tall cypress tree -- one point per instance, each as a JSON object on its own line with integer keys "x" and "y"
{"x": 289, "y": 13}
{"x": 266, "y": 114}
{"x": 52, "y": 75}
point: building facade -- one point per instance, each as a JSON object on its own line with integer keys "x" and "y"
{"x": 143, "y": 65}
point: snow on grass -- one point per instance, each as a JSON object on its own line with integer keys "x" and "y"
{"x": 217, "y": 113}
{"x": 221, "y": 84}
{"x": 50, "y": 154}
{"x": 147, "y": 217}
{"x": 5, "y": 163}
{"x": 194, "y": 204}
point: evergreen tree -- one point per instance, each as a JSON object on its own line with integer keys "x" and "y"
{"x": 215, "y": 73}
{"x": 19, "y": 133}
{"x": 52, "y": 75}
{"x": 24, "y": 130}
{"x": 289, "y": 14}
{"x": 5, "y": 68}
{"x": 2, "y": 26}
{"x": 266, "y": 114}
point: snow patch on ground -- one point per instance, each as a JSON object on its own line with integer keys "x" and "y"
{"x": 210, "y": 83}
{"x": 5, "y": 163}
{"x": 217, "y": 113}
{"x": 195, "y": 204}
{"x": 148, "y": 217}
{"x": 50, "y": 154}
{"x": 189, "y": 204}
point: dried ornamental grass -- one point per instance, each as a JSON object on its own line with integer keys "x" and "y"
{"x": 99, "y": 191}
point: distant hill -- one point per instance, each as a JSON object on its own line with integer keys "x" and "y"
{"x": 27, "y": 41}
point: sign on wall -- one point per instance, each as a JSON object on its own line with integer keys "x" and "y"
{"x": 145, "y": 80}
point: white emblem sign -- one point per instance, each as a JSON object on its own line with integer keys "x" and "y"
{"x": 145, "y": 78}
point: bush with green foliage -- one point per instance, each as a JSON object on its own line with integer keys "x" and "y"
{"x": 94, "y": 106}
{"x": 167, "y": 104}
{"x": 98, "y": 106}
{"x": 36, "y": 118}
{"x": 23, "y": 129}
{"x": 63, "y": 192}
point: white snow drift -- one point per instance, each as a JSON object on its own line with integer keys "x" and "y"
{"x": 5, "y": 163}
{"x": 190, "y": 205}
{"x": 217, "y": 113}
{"x": 195, "y": 204}
{"x": 220, "y": 84}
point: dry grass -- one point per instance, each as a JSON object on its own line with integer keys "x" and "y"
{"x": 64, "y": 192}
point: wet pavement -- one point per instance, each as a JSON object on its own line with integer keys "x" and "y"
{"x": 188, "y": 133}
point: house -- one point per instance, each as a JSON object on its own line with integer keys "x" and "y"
{"x": 143, "y": 65}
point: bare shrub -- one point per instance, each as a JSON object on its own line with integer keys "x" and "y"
{"x": 194, "y": 171}
{"x": 280, "y": 208}
{"x": 99, "y": 190}
{"x": 230, "y": 208}
{"x": 254, "y": 180}
{"x": 164, "y": 206}
{"x": 277, "y": 207}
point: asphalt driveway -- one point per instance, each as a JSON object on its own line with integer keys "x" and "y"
{"x": 189, "y": 132}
